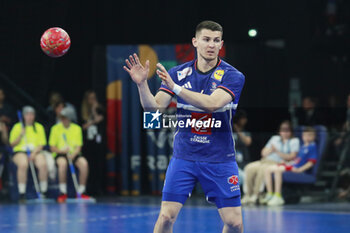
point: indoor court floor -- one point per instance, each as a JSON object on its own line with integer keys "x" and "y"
{"x": 139, "y": 214}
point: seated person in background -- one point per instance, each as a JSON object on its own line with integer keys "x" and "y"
{"x": 242, "y": 141}
{"x": 309, "y": 114}
{"x": 7, "y": 114}
{"x": 282, "y": 147}
{"x": 32, "y": 138}
{"x": 305, "y": 160}
{"x": 66, "y": 141}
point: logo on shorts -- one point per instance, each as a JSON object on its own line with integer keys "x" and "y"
{"x": 233, "y": 180}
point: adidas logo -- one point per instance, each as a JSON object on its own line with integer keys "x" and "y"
{"x": 187, "y": 85}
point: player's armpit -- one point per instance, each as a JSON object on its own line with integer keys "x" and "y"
{"x": 163, "y": 99}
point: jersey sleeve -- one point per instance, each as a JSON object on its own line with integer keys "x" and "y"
{"x": 233, "y": 83}
{"x": 41, "y": 135}
{"x": 312, "y": 154}
{"x": 79, "y": 136}
{"x": 15, "y": 132}
{"x": 166, "y": 89}
{"x": 53, "y": 139}
{"x": 294, "y": 145}
{"x": 271, "y": 141}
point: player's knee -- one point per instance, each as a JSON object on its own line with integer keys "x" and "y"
{"x": 62, "y": 164}
{"x": 234, "y": 225}
{"x": 22, "y": 165}
{"x": 167, "y": 218}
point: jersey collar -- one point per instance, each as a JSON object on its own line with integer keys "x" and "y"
{"x": 209, "y": 71}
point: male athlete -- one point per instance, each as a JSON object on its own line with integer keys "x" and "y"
{"x": 206, "y": 88}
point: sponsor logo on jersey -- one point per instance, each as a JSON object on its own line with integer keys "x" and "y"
{"x": 213, "y": 86}
{"x": 218, "y": 74}
{"x": 183, "y": 73}
{"x": 233, "y": 180}
{"x": 207, "y": 125}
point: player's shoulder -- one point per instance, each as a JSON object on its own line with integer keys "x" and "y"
{"x": 295, "y": 140}
{"x": 182, "y": 71}
{"x": 39, "y": 125}
{"x": 230, "y": 70}
{"x": 275, "y": 138}
{"x": 75, "y": 126}
{"x": 312, "y": 146}
{"x": 183, "y": 66}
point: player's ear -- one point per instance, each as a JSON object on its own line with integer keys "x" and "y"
{"x": 194, "y": 42}
{"x": 221, "y": 44}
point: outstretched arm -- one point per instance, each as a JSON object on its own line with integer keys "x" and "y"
{"x": 209, "y": 103}
{"x": 139, "y": 74}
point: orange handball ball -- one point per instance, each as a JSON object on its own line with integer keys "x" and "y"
{"x": 55, "y": 42}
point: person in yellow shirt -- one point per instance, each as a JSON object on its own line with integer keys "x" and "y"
{"x": 31, "y": 137}
{"x": 66, "y": 140}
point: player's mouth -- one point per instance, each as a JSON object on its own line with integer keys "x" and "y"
{"x": 211, "y": 52}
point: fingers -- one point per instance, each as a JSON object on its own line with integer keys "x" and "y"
{"x": 147, "y": 64}
{"x": 126, "y": 69}
{"x": 131, "y": 58}
{"x": 137, "y": 59}
{"x": 161, "y": 67}
{"x": 128, "y": 63}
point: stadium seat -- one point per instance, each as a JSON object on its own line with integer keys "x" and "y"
{"x": 309, "y": 177}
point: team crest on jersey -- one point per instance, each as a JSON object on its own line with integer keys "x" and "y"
{"x": 183, "y": 73}
{"x": 218, "y": 74}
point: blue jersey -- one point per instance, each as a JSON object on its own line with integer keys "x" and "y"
{"x": 306, "y": 154}
{"x": 213, "y": 140}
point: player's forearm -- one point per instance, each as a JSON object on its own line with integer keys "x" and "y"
{"x": 147, "y": 99}
{"x": 247, "y": 140}
{"x": 306, "y": 166}
{"x": 286, "y": 156}
{"x": 199, "y": 100}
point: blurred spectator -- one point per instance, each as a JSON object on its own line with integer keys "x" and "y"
{"x": 56, "y": 98}
{"x": 3, "y": 144}
{"x": 339, "y": 140}
{"x": 333, "y": 114}
{"x": 279, "y": 148}
{"x": 66, "y": 141}
{"x": 30, "y": 138}
{"x": 92, "y": 114}
{"x": 309, "y": 114}
{"x": 305, "y": 160}
{"x": 243, "y": 140}
{"x": 7, "y": 114}
{"x": 54, "y": 115}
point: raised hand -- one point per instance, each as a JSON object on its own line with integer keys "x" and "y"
{"x": 164, "y": 76}
{"x": 135, "y": 69}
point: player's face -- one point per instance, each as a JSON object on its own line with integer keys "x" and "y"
{"x": 208, "y": 44}
{"x": 29, "y": 118}
{"x": 308, "y": 137}
{"x": 285, "y": 131}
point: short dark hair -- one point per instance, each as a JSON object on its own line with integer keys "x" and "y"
{"x": 239, "y": 115}
{"x": 309, "y": 129}
{"x": 210, "y": 25}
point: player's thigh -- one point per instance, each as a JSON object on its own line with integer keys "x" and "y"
{"x": 180, "y": 180}
{"x": 231, "y": 215}
{"x": 20, "y": 159}
{"x": 81, "y": 162}
{"x": 62, "y": 162}
{"x": 252, "y": 167}
{"x": 40, "y": 160}
{"x": 220, "y": 183}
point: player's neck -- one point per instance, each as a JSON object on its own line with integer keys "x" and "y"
{"x": 204, "y": 65}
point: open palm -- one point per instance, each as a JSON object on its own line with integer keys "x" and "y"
{"x": 135, "y": 69}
